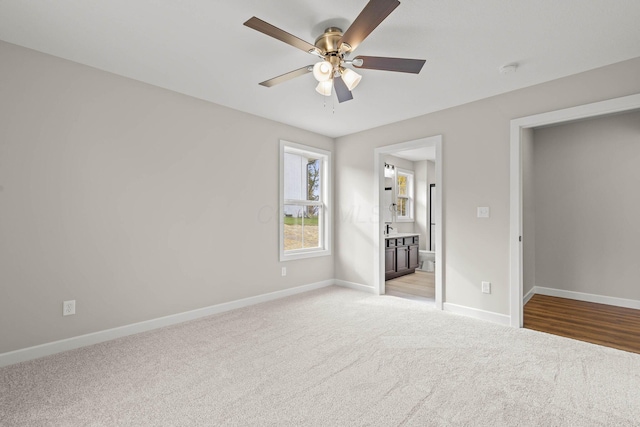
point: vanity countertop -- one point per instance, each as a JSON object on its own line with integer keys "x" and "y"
{"x": 400, "y": 235}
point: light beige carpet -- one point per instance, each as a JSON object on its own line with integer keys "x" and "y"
{"x": 332, "y": 357}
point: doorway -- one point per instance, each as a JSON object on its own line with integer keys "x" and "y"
{"x": 409, "y": 150}
{"x": 521, "y": 133}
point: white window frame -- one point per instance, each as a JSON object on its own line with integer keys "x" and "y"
{"x": 325, "y": 224}
{"x": 410, "y": 195}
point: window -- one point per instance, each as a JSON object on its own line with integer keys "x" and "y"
{"x": 404, "y": 195}
{"x": 305, "y": 219}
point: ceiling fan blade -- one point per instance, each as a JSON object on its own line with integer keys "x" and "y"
{"x": 343, "y": 93}
{"x": 371, "y": 16}
{"x": 287, "y": 76}
{"x": 275, "y": 32}
{"x": 402, "y": 65}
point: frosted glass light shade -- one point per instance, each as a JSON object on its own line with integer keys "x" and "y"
{"x": 351, "y": 78}
{"x": 322, "y": 71}
{"x": 324, "y": 88}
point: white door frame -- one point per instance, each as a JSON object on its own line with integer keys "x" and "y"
{"x": 378, "y": 232}
{"x": 611, "y": 106}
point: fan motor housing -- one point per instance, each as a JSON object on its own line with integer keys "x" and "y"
{"x": 328, "y": 41}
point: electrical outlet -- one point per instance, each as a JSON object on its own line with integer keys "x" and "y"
{"x": 486, "y": 287}
{"x": 284, "y": 271}
{"x": 69, "y": 308}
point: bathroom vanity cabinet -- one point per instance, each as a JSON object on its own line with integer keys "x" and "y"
{"x": 401, "y": 255}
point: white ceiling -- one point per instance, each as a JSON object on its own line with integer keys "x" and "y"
{"x": 200, "y": 48}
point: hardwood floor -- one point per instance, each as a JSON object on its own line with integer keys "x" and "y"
{"x": 606, "y": 325}
{"x": 421, "y": 283}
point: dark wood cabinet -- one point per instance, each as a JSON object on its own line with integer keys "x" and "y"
{"x": 402, "y": 259}
{"x": 401, "y": 256}
{"x": 413, "y": 256}
{"x": 389, "y": 261}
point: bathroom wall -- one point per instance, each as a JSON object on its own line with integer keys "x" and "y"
{"x": 424, "y": 175}
{"x": 421, "y": 225}
{"x": 431, "y": 179}
{"x": 401, "y": 227}
{"x": 421, "y": 177}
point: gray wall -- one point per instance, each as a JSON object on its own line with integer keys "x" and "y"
{"x": 587, "y": 200}
{"x": 476, "y": 173}
{"x": 135, "y": 201}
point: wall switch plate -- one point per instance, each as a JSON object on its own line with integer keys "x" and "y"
{"x": 486, "y": 287}
{"x": 284, "y": 271}
{"x": 483, "y": 212}
{"x": 69, "y": 308}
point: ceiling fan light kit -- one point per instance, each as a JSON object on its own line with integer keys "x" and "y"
{"x": 350, "y": 77}
{"x": 325, "y": 87}
{"x": 322, "y": 71}
{"x": 333, "y": 46}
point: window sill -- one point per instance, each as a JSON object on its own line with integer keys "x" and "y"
{"x": 304, "y": 255}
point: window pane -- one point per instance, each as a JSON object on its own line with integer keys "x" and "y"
{"x": 294, "y": 181}
{"x": 402, "y": 207}
{"x": 292, "y": 227}
{"x": 402, "y": 185}
{"x": 302, "y": 177}
{"x": 313, "y": 179}
{"x": 302, "y": 227}
{"x": 312, "y": 227}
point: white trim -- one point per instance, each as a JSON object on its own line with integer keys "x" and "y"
{"x": 476, "y": 313}
{"x": 135, "y": 328}
{"x": 515, "y": 227}
{"x": 611, "y": 106}
{"x": 582, "y": 296}
{"x": 595, "y": 109}
{"x": 378, "y": 229}
{"x": 529, "y": 295}
{"x": 357, "y": 286}
{"x": 440, "y": 290}
{"x": 327, "y": 201}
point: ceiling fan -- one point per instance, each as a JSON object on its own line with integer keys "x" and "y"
{"x": 333, "y": 47}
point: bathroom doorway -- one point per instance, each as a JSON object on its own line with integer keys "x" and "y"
{"x": 409, "y": 231}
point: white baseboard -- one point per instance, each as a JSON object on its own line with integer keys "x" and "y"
{"x": 356, "y": 286}
{"x": 490, "y": 316}
{"x": 528, "y": 296}
{"x": 42, "y": 350}
{"x": 581, "y": 296}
